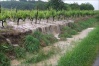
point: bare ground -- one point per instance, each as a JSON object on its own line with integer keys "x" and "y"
{"x": 28, "y": 25}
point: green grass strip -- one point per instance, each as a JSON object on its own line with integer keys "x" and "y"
{"x": 84, "y": 53}
{"x": 73, "y": 28}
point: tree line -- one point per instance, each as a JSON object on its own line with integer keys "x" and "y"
{"x": 55, "y": 4}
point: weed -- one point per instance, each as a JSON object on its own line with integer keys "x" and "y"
{"x": 73, "y": 28}
{"x": 31, "y": 44}
{"x": 5, "y": 48}
{"x": 45, "y": 39}
{"x": 41, "y": 56}
{"x": 19, "y": 52}
{"x": 4, "y": 61}
{"x": 66, "y": 32}
{"x": 84, "y": 53}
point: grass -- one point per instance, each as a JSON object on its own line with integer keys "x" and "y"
{"x": 19, "y": 52}
{"x": 42, "y": 55}
{"x": 44, "y": 39}
{"x": 31, "y": 44}
{"x": 84, "y": 53}
{"x": 73, "y": 28}
{"x": 4, "y": 60}
{"x": 67, "y": 32}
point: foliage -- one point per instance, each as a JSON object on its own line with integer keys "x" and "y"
{"x": 51, "y": 38}
{"x": 53, "y": 13}
{"x": 75, "y": 6}
{"x": 47, "y": 15}
{"x": 31, "y": 44}
{"x": 45, "y": 39}
{"x": 19, "y": 52}
{"x": 5, "y": 48}
{"x": 40, "y": 15}
{"x": 3, "y": 19}
{"x": 0, "y": 7}
{"x": 4, "y": 61}
{"x": 25, "y": 14}
{"x": 67, "y": 32}
{"x": 37, "y": 34}
{"x": 22, "y": 5}
{"x": 56, "y": 4}
{"x": 73, "y": 28}
{"x": 84, "y": 53}
{"x": 97, "y": 17}
{"x": 86, "y": 6}
{"x": 23, "y": 0}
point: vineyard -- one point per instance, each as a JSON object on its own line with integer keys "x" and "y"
{"x": 15, "y": 15}
{"x": 50, "y": 37}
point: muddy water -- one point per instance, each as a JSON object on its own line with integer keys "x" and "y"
{"x": 63, "y": 45}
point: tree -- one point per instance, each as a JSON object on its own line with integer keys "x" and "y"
{"x": 86, "y": 6}
{"x": 67, "y": 6}
{"x": 23, "y": 0}
{"x": 56, "y": 4}
{"x": 75, "y": 6}
{"x": 41, "y": 5}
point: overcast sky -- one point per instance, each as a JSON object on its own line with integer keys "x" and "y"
{"x": 95, "y": 3}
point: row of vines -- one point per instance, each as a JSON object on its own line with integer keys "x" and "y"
{"x": 16, "y": 15}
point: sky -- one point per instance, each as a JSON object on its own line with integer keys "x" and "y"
{"x": 95, "y": 3}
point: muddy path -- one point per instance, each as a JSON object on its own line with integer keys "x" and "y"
{"x": 62, "y": 45}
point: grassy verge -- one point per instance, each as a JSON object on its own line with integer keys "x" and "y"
{"x": 73, "y": 28}
{"x": 84, "y": 53}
